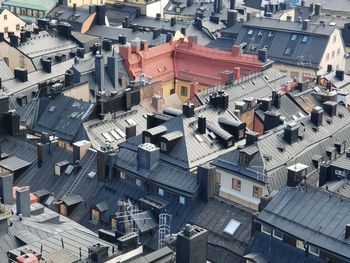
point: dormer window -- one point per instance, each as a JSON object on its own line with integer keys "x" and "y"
{"x": 243, "y": 158}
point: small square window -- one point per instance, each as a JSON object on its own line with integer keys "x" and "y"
{"x": 5, "y": 17}
{"x": 161, "y": 191}
{"x": 236, "y": 184}
{"x": 183, "y": 91}
{"x": 294, "y": 37}
{"x": 17, "y": 27}
{"x": 182, "y": 200}
{"x": 277, "y": 234}
{"x": 266, "y": 229}
{"x": 257, "y": 191}
{"x": 138, "y": 182}
{"x": 314, "y": 250}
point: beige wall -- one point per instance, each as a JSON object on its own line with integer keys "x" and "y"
{"x": 296, "y": 72}
{"x": 14, "y": 58}
{"x": 80, "y": 92}
{"x": 12, "y": 23}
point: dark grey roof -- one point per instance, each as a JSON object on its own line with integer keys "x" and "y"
{"x": 333, "y": 5}
{"x": 117, "y": 13}
{"x": 214, "y": 217}
{"x": 337, "y": 83}
{"x": 264, "y": 248}
{"x": 112, "y": 33}
{"x": 222, "y": 43}
{"x": 5, "y": 71}
{"x": 163, "y": 255}
{"x": 276, "y": 36}
{"x": 164, "y": 24}
{"x": 62, "y": 115}
{"x": 312, "y": 215}
{"x": 71, "y": 199}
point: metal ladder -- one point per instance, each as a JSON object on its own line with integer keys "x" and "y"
{"x": 81, "y": 173}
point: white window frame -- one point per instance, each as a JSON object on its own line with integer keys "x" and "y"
{"x": 300, "y": 244}
{"x": 163, "y": 146}
{"x": 138, "y": 182}
{"x": 122, "y": 175}
{"x": 274, "y": 232}
{"x": 160, "y": 191}
{"x": 314, "y": 253}
{"x": 182, "y": 200}
{"x": 266, "y": 231}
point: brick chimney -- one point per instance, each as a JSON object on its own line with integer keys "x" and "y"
{"x": 236, "y": 50}
{"x": 236, "y": 73}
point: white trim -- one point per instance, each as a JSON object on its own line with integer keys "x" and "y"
{"x": 277, "y": 237}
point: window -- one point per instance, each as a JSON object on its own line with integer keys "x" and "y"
{"x": 23, "y": 11}
{"x": 35, "y": 13}
{"x": 334, "y": 39}
{"x": 250, "y": 32}
{"x": 172, "y": 91}
{"x": 184, "y": 91}
{"x": 18, "y": 10}
{"x": 277, "y": 234}
{"x": 6, "y": 30}
{"x": 114, "y": 223}
{"x": 266, "y": 229}
{"x": 288, "y": 51}
{"x": 122, "y": 175}
{"x": 95, "y": 216}
{"x": 294, "y": 37}
{"x": 161, "y": 191}
{"x": 327, "y": 56}
{"x": 257, "y": 191}
{"x": 5, "y": 17}
{"x": 243, "y": 158}
{"x": 17, "y": 27}
{"x": 305, "y": 39}
{"x": 294, "y": 75}
{"x": 333, "y": 54}
{"x": 338, "y": 51}
{"x": 138, "y": 182}
{"x": 163, "y": 146}
{"x": 236, "y": 184}
{"x": 300, "y": 244}
{"x": 182, "y": 200}
{"x": 314, "y": 250}
{"x": 147, "y": 139}
{"x": 29, "y": 12}
{"x": 41, "y": 14}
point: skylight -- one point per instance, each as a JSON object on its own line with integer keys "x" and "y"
{"x": 232, "y": 227}
{"x": 250, "y": 32}
{"x": 294, "y": 37}
{"x": 199, "y": 138}
{"x": 288, "y": 51}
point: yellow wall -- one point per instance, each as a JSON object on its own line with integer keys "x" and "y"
{"x": 80, "y": 92}
{"x": 187, "y": 84}
{"x": 12, "y": 23}
{"x": 85, "y": 2}
{"x": 167, "y": 87}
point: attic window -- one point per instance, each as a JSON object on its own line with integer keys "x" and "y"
{"x": 147, "y": 139}
{"x": 305, "y": 39}
{"x": 294, "y": 37}
{"x": 288, "y": 51}
{"x": 243, "y": 158}
{"x": 250, "y": 32}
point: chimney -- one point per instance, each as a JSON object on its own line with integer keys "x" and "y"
{"x": 128, "y": 103}
{"x": 324, "y": 174}
{"x": 296, "y": 173}
{"x": 13, "y": 40}
{"x": 21, "y": 74}
{"x": 74, "y": 7}
{"x": 92, "y": 9}
{"x": 251, "y": 137}
{"x": 272, "y": 120}
{"x": 276, "y": 99}
{"x": 6, "y": 184}
{"x": 217, "y": 6}
{"x": 172, "y": 21}
{"x": 189, "y": 3}
{"x": 80, "y": 52}
{"x": 183, "y": 31}
{"x": 23, "y": 37}
{"x": 206, "y": 175}
{"x": 318, "y": 8}
{"x": 265, "y": 104}
{"x": 232, "y": 4}
{"x": 198, "y": 23}
{"x": 188, "y": 109}
{"x": 107, "y": 45}
{"x": 191, "y": 245}
{"x": 158, "y": 16}
{"x": 232, "y": 16}
{"x": 262, "y": 55}
{"x": 329, "y": 85}
{"x": 339, "y": 74}
{"x": 305, "y": 24}
{"x": 202, "y": 124}
{"x": 236, "y": 73}
{"x": 98, "y": 253}
{"x": 148, "y": 156}
{"x": 46, "y": 63}
{"x": 157, "y": 103}
{"x": 100, "y": 15}
{"x": 236, "y": 50}
{"x": 122, "y": 39}
{"x": 64, "y": 30}
{"x": 130, "y": 131}
{"x": 169, "y": 37}
{"x": 80, "y": 149}
{"x": 291, "y": 132}
{"x": 317, "y": 116}
{"x": 302, "y": 3}
{"x": 264, "y": 201}
{"x": 99, "y": 71}
{"x": 330, "y": 107}
{"x": 68, "y": 78}
{"x": 23, "y": 202}
{"x": 347, "y": 231}
{"x": 329, "y": 68}
{"x": 156, "y": 33}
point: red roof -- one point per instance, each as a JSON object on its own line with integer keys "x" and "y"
{"x": 186, "y": 60}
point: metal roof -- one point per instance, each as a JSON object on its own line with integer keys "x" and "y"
{"x": 5, "y": 71}
{"x": 14, "y": 163}
{"x": 71, "y": 199}
{"x": 312, "y": 215}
